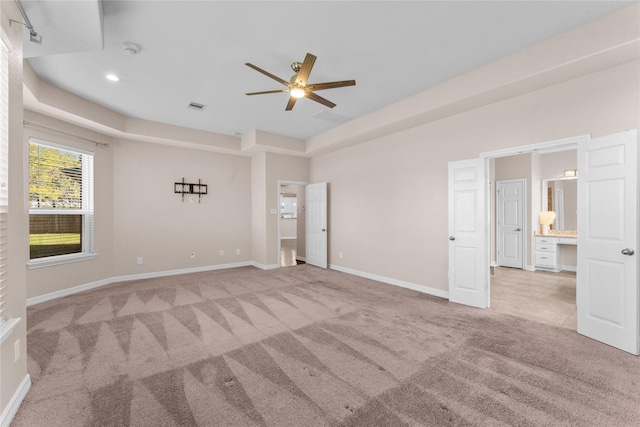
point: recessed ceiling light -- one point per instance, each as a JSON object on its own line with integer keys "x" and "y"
{"x": 112, "y": 77}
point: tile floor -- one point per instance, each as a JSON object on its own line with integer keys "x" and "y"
{"x": 536, "y": 295}
{"x": 288, "y": 252}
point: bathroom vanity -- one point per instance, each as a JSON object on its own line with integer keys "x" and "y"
{"x": 548, "y": 251}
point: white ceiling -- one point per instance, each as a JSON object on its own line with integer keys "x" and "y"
{"x": 196, "y": 50}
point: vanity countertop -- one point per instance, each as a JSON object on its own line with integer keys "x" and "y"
{"x": 559, "y": 233}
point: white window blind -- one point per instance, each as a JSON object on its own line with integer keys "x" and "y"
{"x": 4, "y": 173}
{"x": 60, "y": 200}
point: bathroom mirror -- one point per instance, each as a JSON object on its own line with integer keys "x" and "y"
{"x": 288, "y": 206}
{"x": 561, "y": 195}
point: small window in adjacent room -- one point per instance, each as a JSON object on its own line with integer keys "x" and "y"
{"x": 60, "y": 204}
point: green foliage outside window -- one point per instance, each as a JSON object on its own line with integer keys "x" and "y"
{"x": 55, "y": 178}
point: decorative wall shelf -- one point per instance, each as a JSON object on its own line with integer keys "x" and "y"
{"x": 190, "y": 188}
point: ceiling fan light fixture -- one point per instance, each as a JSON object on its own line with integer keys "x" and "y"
{"x": 297, "y": 92}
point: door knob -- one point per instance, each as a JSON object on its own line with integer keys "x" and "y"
{"x": 628, "y": 251}
{"x": 518, "y": 229}
{"x": 324, "y": 229}
{"x": 452, "y": 238}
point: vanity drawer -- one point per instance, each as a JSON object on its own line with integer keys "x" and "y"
{"x": 544, "y": 259}
{"x": 546, "y": 247}
{"x": 546, "y": 240}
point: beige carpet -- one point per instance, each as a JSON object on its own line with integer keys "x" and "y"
{"x": 303, "y": 346}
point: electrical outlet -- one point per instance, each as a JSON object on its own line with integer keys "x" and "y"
{"x": 16, "y": 350}
{"x": 237, "y": 251}
{"x": 192, "y": 254}
{"x": 140, "y": 260}
{"x": 221, "y": 252}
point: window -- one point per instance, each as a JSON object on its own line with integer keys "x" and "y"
{"x": 60, "y": 203}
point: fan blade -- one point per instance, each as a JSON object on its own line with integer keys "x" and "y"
{"x": 312, "y": 96}
{"x": 305, "y": 70}
{"x": 268, "y": 74}
{"x": 268, "y": 91}
{"x": 331, "y": 85}
{"x": 291, "y": 103}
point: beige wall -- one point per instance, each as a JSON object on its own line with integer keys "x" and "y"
{"x": 389, "y": 194}
{"x": 554, "y": 164}
{"x": 152, "y": 222}
{"x": 258, "y": 206}
{"x": 12, "y": 373}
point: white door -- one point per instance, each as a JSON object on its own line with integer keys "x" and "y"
{"x": 607, "y": 276}
{"x": 510, "y": 223}
{"x": 316, "y": 224}
{"x": 468, "y": 263}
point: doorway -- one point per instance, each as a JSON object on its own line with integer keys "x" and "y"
{"x": 607, "y": 288}
{"x": 520, "y": 288}
{"x": 291, "y": 223}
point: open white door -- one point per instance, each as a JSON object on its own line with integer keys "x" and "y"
{"x": 468, "y": 264}
{"x": 607, "y": 277}
{"x": 316, "y": 224}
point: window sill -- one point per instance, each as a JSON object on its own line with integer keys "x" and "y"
{"x": 57, "y": 260}
{"x": 6, "y": 327}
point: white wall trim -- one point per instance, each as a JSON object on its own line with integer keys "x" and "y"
{"x": 7, "y": 326}
{"x": 401, "y": 283}
{"x": 128, "y": 278}
{"x": 265, "y": 267}
{"x": 16, "y": 400}
{"x": 301, "y": 258}
{"x": 569, "y": 268}
{"x": 540, "y": 147}
{"x": 530, "y": 267}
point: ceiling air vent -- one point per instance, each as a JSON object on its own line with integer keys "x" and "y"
{"x": 196, "y": 106}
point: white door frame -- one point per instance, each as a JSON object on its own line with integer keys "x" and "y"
{"x": 282, "y": 182}
{"x": 525, "y": 206}
{"x": 541, "y": 148}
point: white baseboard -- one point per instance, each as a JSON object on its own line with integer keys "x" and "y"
{"x": 569, "y": 268}
{"x": 128, "y": 278}
{"x": 401, "y": 283}
{"x": 301, "y": 258}
{"x": 288, "y": 238}
{"x": 493, "y": 264}
{"x": 265, "y": 267}
{"x": 16, "y": 400}
{"x": 530, "y": 267}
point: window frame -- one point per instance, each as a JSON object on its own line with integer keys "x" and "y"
{"x": 87, "y": 211}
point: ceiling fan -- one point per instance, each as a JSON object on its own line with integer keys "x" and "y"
{"x": 297, "y": 86}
